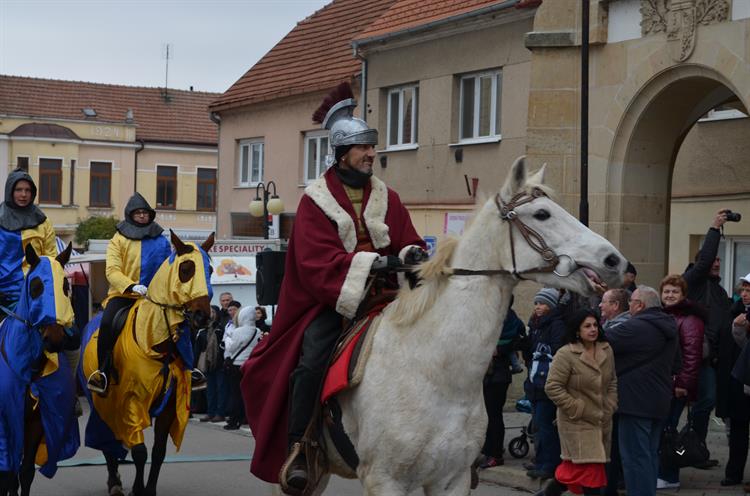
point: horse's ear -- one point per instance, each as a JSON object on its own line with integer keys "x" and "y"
{"x": 209, "y": 243}
{"x": 65, "y": 255}
{"x": 179, "y": 247}
{"x": 538, "y": 176}
{"x": 516, "y": 180}
{"x": 31, "y": 257}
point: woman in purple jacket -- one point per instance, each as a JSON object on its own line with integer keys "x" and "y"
{"x": 690, "y": 325}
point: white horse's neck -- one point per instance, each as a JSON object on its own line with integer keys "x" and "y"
{"x": 477, "y": 305}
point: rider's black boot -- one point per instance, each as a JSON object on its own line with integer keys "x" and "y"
{"x": 296, "y": 476}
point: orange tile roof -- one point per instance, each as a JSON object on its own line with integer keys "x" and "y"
{"x": 184, "y": 119}
{"x": 406, "y": 14}
{"x": 315, "y": 55}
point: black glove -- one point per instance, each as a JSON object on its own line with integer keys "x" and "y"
{"x": 386, "y": 263}
{"x": 415, "y": 255}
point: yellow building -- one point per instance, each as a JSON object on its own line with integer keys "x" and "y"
{"x": 90, "y": 146}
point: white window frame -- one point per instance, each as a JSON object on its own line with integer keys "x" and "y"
{"x": 321, "y": 166}
{"x": 727, "y": 251}
{"x": 494, "y": 134}
{"x": 248, "y": 144}
{"x": 399, "y": 93}
{"x": 722, "y": 115}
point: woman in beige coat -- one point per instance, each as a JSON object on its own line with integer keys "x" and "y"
{"x": 583, "y": 385}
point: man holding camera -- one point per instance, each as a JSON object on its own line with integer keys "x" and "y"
{"x": 704, "y": 287}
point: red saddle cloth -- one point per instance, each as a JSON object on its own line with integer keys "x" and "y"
{"x": 339, "y": 375}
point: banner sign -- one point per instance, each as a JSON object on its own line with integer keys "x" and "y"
{"x": 233, "y": 269}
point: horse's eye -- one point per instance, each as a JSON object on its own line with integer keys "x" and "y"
{"x": 187, "y": 270}
{"x": 541, "y": 214}
{"x": 66, "y": 287}
{"x": 36, "y": 287}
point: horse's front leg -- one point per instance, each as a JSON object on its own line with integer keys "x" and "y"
{"x": 159, "y": 450}
{"x": 140, "y": 455}
{"x": 32, "y": 437}
{"x": 114, "y": 483}
{"x": 8, "y": 483}
{"x": 453, "y": 485}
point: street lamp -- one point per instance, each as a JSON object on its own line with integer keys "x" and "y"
{"x": 261, "y": 207}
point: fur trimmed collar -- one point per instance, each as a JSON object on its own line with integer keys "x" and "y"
{"x": 374, "y": 213}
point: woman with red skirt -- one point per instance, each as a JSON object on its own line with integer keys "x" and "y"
{"x": 583, "y": 385}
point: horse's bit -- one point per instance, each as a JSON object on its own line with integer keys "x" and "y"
{"x": 533, "y": 238}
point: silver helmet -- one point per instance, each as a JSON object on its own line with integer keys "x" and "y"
{"x": 336, "y": 114}
{"x": 345, "y": 129}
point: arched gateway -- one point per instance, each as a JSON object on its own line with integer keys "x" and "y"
{"x": 656, "y": 68}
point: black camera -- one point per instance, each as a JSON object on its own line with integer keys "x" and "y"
{"x": 732, "y": 216}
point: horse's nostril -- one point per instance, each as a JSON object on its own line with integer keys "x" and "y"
{"x": 612, "y": 261}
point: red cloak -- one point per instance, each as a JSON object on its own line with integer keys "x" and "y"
{"x": 323, "y": 269}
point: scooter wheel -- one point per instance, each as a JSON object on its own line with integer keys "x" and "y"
{"x": 518, "y": 447}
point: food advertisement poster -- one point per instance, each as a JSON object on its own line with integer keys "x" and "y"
{"x": 233, "y": 269}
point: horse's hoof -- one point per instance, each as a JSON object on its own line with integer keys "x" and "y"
{"x": 116, "y": 490}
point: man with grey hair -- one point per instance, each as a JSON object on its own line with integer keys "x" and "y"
{"x": 614, "y": 308}
{"x": 645, "y": 347}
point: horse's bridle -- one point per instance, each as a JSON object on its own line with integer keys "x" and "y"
{"x": 533, "y": 238}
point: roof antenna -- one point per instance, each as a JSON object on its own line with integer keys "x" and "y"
{"x": 166, "y": 54}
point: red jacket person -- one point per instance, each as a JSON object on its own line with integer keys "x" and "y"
{"x": 347, "y": 223}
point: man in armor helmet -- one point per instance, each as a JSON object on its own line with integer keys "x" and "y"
{"x": 348, "y": 223}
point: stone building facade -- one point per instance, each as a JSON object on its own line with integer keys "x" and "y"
{"x": 658, "y": 169}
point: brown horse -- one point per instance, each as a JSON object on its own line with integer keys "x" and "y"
{"x": 153, "y": 355}
{"x": 35, "y": 382}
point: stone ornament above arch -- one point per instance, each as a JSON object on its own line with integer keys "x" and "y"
{"x": 680, "y": 19}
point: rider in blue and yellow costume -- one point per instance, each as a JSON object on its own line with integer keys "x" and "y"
{"x": 21, "y": 223}
{"x": 134, "y": 254}
{"x": 52, "y": 388}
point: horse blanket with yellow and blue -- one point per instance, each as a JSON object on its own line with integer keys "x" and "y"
{"x": 52, "y": 389}
{"x": 146, "y": 382}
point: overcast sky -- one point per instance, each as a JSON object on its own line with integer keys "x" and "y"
{"x": 213, "y": 42}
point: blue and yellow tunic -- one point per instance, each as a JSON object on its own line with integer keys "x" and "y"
{"x": 133, "y": 261}
{"x": 12, "y": 248}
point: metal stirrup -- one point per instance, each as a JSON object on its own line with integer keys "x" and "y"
{"x": 91, "y": 387}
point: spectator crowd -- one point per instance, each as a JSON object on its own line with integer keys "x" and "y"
{"x": 221, "y": 348}
{"x": 615, "y": 381}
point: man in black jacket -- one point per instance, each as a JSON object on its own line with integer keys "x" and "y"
{"x": 704, "y": 287}
{"x": 731, "y": 401}
{"x": 645, "y": 347}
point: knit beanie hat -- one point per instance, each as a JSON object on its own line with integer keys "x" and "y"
{"x": 548, "y": 296}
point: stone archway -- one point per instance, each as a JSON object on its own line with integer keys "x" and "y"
{"x": 642, "y": 159}
{"x": 643, "y": 102}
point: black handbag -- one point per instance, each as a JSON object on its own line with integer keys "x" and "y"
{"x": 682, "y": 449}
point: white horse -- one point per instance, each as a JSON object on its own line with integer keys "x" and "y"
{"x": 417, "y": 419}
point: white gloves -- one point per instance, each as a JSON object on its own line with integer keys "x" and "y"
{"x": 140, "y": 289}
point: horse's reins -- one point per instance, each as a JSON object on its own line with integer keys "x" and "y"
{"x": 172, "y": 344}
{"x": 533, "y": 238}
{"x": 11, "y": 313}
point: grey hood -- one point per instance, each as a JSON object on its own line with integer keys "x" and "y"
{"x": 132, "y": 230}
{"x": 13, "y": 217}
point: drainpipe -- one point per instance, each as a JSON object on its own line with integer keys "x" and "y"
{"x": 141, "y": 146}
{"x": 216, "y": 118}
{"x": 583, "y": 209}
{"x": 363, "y": 89}
{"x": 363, "y": 98}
